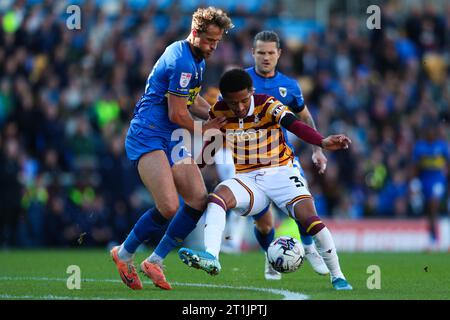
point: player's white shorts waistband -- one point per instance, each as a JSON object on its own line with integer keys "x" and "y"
{"x": 268, "y": 170}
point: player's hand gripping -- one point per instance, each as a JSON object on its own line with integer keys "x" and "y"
{"x": 215, "y": 123}
{"x": 336, "y": 142}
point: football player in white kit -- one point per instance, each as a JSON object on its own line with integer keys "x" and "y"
{"x": 264, "y": 172}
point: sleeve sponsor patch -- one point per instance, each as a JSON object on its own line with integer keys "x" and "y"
{"x": 277, "y": 109}
{"x": 185, "y": 78}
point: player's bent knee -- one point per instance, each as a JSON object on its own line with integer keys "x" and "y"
{"x": 263, "y": 228}
{"x": 198, "y": 202}
{"x": 265, "y": 223}
{"x": 226, "y": 195}
{"x": 169, "y": 209}
{"x": 217, "y": 199}
{"x": 305, "y": 213}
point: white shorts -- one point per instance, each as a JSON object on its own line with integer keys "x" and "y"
{"x": 285, "y": 186}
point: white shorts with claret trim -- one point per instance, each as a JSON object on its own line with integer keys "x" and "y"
{"x": 254, "y": 190}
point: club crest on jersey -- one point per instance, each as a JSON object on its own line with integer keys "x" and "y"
{"x": 184, "y": 79}
{"x": 283, "y": 91}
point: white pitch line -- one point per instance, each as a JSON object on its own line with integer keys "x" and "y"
{"x": 287, "y": 295}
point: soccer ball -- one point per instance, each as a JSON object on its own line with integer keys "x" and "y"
{"x": 285, "y": 254}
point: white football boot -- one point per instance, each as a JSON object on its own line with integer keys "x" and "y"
{"x": 316, "y": 260}
{"x": 269, "y": 272}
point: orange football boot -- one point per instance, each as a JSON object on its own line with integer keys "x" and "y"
{"x": 155, "y": 273}
{"x": 127, "y": 270}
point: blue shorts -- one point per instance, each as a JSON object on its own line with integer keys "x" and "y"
{"x": 433, "y": 187}
{"x": 144, "y": 138}
{"x": 259, "y": 215}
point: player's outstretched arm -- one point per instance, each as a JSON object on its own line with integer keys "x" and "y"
{"x": 312, "y": 136}
{"x": 336, "y": 142}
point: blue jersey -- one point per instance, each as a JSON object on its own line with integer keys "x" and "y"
{"x": 281, "y": 87}
{"x": 432, "y": 158}
{"x": 176, "y": 72}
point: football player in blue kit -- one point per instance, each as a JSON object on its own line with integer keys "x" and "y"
{"x": 431, "y": 159}
{"x": 166, "y": 170}
{"x": 267, "y": 80}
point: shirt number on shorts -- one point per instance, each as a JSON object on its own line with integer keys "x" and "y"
{"x": 297, "y": 181}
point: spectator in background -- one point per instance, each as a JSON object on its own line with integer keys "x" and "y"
{"x": 10, "y": 191}
{"x": 56, "y": 222}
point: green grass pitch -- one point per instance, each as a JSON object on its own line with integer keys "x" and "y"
{"x": 42, "y": 274}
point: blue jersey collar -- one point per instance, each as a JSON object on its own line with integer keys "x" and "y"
{"x": 186, "y": 42}
{"x": 265, "y": 78}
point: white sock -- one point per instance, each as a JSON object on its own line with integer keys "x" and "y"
{"x": 154, "y": 258}
{"x": 214, "y": 227}
{"x": 309, "y": 248}
{"x": 124, "y": 254}
{"x": 236, "y": 225}
{"x": 326, "y": 248}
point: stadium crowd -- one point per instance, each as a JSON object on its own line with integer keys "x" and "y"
{"x": 67, "y": 96}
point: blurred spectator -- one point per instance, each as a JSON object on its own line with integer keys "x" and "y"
{"x": 55, "y": 222}
{"x": 10, "y": 191}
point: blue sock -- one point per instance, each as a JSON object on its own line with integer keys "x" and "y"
{"x": 306, "y": 238}
{"x": 150, "y": 222}
{"x": 264, "y": 240}
{"x": 179, "y": 228}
